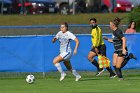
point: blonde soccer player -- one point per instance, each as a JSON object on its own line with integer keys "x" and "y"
{"x": 120, "y": 56}
{"x": 65, "y": 36}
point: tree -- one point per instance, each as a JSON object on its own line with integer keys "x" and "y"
{"x": 135, "y": 16}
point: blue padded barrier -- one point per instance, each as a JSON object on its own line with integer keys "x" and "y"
{"x": 36, "y": 53}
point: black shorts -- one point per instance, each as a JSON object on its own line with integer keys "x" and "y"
{"x": 120, "y": 54}
{"x": 101, "y": 48}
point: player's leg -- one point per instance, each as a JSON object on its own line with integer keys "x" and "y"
{"x": 68, "y": 65}
{"x": 115, "y": 55}
{"x": 74, "y": 72}
{"x": 58, "y": 66}
{"x": 120, "y": 59}
{"x": 117, "y": 70}
{"x": 91, "y": 55}
{"x": 65, "y": 56}
{"x": 102, "y": 51}
{"x": 127, "y": 58}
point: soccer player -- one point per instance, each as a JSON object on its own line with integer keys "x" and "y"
{"x": 120, "y": 57}
{"x": 64, "y": 36}
{"x": 98, "y": 47}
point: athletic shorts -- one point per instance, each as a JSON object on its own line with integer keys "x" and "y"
{"x": 120, "y": 54}
{"x": 101, "y": 48}
{"x": 66, "y": 55}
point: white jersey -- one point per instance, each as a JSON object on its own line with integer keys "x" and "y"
{"x": 64, "y": 39}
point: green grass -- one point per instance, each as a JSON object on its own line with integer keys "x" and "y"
{"x": 48, "y": 19}
{"x": 88, "y": 84}
{"x": 103, "y": 18}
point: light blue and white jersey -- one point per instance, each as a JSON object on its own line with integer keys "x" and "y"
{"x": 64, "y": 39}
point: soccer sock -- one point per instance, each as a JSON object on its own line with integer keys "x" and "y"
{"x": 74, "y": 72}
{"x": 59, "y": 68}
{"x": 95, "y": 63}
{"x": 125, "y": 61}
{"x": 110, "y": 71}
{"x": 120, "y": 70}
{"x": 119, "y": 74}
{"x": 115, "y": 68}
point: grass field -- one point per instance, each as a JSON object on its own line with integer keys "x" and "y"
{"x": 44, "y": 19}
{"x": 48, "y": 19}
{"x": 50, "y": 84}
{"x": 88, "y": 84}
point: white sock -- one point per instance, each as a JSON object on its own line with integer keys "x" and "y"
{"x": 75, "y": 73}
{"x": 59, "y": 68}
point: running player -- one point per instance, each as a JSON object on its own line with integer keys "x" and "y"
{"x": 64, "y": 36}
{"x": 120, "y": 57}
{"x": 98, "y": 47}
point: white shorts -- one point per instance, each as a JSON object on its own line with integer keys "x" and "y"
{"x": 66, "y": 55}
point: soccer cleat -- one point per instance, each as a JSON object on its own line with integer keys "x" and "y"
{"x": 78, "y": 78}
{"x": 62, "y": 76}
{"x": 99, "y": 72}
{"x": 131, "y": 55}
{"x": 120, "y": 79}
{"x": 113, "y": 76}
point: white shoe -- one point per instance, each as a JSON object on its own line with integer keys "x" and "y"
{"x": 62, "y": 76}
{"x": 99, "y": 72}
{"x": 78, "y": 78}
{"x": 121, "y": 79}
{"x": 113, "y": 76}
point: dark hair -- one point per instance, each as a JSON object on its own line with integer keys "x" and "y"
{"x": 66, "y": 24}
{"x": 130, "y": 23}
{"x": 116, "y": 21}
{"x": 94, "y": 19}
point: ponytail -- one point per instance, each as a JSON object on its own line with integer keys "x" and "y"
{"x": 116, "y": 21}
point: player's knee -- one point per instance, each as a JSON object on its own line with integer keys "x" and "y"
{"x": 118, "y": 66}
{"x": 90, "y": 58}
{"x": 114, "y": 63}
{"x": 55, "y": 61}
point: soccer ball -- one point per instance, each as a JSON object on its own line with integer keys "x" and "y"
{"x": 30, "y": 79}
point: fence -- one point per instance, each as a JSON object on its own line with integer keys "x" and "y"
{"x": 49, "y": 29}
{"x": 35, "y": 53}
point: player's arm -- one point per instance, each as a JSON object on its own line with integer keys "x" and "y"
{"x": 108, "y": 39}
{"x": 124, "y": 44}
{"x": 76, "y": 46}
{"x": 73, "y": 37}
{"x": 54, "y": 39}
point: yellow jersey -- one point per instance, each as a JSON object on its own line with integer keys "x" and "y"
{"x": 96, "y": 38}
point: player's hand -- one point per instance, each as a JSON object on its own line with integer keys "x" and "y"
{"x": 75, "y": 51}
{"x": 105, "y": 38}
{"x": 96, "y": 50}
{"x": 124, "y": 51}
{"x": 54, "y": 39}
